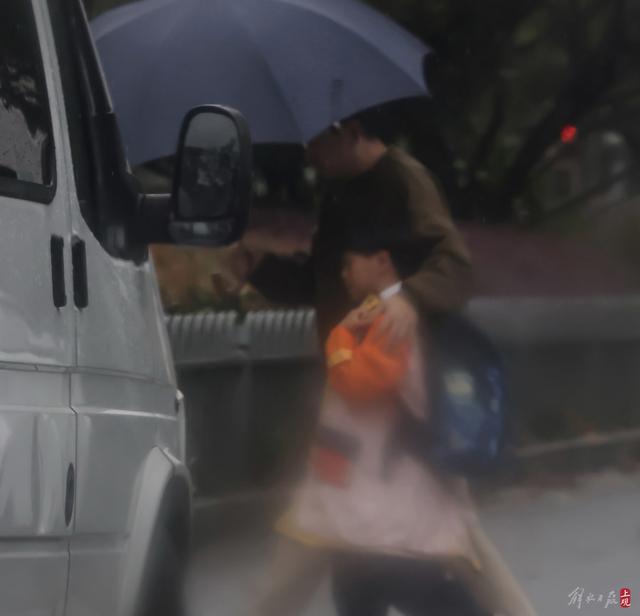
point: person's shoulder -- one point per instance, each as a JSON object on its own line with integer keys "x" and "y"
{"x": 390, "y": 176}
{"x": 422, "y": 187}
{"x": 408, "y": 167}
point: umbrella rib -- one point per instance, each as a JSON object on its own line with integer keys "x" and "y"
{"x": 316, "y": 11}
{"x": 150, "y": 64}
{"x": 278, "y": 87}
{"x": 114, "y": 25}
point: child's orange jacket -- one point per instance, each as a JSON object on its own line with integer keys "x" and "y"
{"x": 363, "y": 371}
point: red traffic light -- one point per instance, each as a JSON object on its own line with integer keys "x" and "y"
{"x": 568, "y": 133}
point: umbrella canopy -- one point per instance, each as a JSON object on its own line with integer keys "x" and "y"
{"x": 292, "y": 67}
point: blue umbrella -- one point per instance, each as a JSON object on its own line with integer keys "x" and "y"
{"x": 292, "y": 67}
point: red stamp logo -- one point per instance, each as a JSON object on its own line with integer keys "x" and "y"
{"x": 625, "y": 597}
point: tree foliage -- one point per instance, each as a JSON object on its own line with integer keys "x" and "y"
{"x": 507, "y": 76}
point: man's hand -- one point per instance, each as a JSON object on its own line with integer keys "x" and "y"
{"x": 400, "y": 320}
{"x": 235, "y": 264}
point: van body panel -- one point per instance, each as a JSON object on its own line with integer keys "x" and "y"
{"x": 122, "y": 423}
{"x": 118, "y": 330}
{"x": 91, "y": 426}
{"x": 37, "y": 449}
{"x": 119, "y": 421}
{"x": 37, "y": 351}
{"x": 34, "y": 576}
{"x": 155, "y": 475}
{"x": 116, "y": 559}
{"x": 34, "y": 331}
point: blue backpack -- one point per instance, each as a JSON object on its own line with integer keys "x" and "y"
{"x": 465, "y": 431}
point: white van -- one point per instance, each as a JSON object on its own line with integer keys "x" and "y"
{"x": 94, "y": 492}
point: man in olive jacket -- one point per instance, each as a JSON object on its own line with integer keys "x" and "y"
{"x": 369, "y": 179}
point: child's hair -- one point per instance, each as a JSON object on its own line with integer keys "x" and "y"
{"x": 390, "y": 231}
{"x": 403, "y": 261}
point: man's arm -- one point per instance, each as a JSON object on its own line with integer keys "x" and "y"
{"x": 274, "y": 257}
{"x": 443, "y": 283}
{"x": 444, "y": 280}
{"x": 285, "y": 280}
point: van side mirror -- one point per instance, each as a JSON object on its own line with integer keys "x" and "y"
{"x": 211, "y": 197}
{"x": 212, "y": 183}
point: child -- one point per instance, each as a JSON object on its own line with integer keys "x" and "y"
{"x": 398, "y": 532}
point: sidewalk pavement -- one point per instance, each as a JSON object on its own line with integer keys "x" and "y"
{"x": 572, "y": 536}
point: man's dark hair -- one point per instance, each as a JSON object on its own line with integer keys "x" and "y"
{"x": 376, "y": 123}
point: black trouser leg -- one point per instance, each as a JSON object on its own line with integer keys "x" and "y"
{"x": 352, "y": 581}
{"x": 367, "y": 585}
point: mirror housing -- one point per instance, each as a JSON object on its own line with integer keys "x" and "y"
{"x": 212, "y": 182}
{"x": 212, "y": 188}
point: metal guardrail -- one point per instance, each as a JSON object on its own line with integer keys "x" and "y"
{"x": 210, "y": 337}
{"x": 204, "y": 338}
{"x": 247, "y": 384}
{"x": 282, "y": 335}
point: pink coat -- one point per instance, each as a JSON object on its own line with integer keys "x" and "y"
{"x": 408, "y": 510}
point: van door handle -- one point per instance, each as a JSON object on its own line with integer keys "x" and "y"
{"x": 57, "y": 272}
{"x": 70, "y": 495}
{"x": 79, "y": 262}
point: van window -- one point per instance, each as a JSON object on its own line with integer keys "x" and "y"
{"x": 26, "y": 140}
